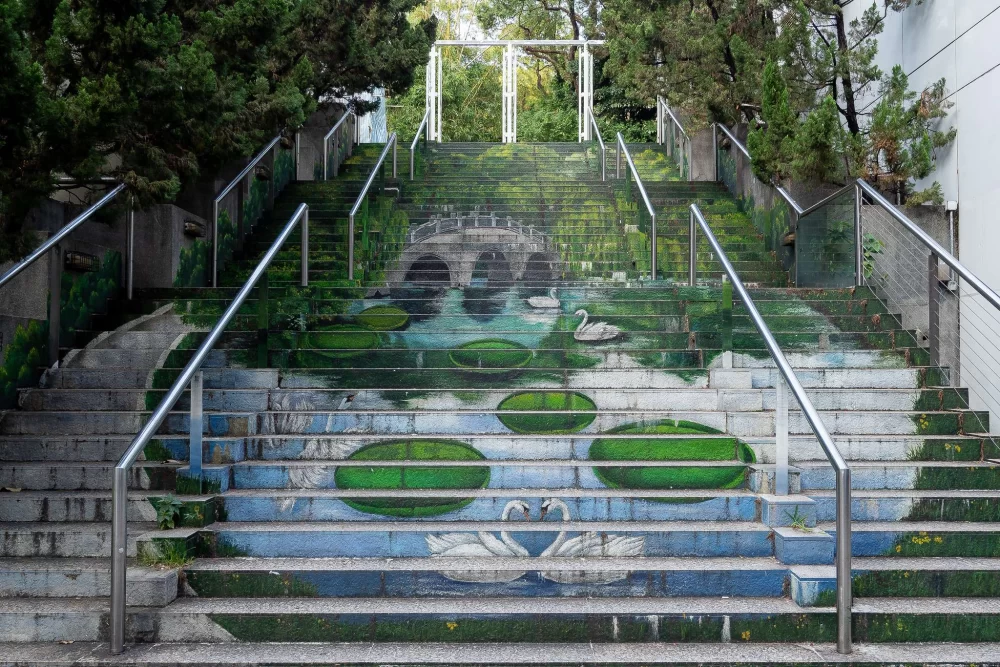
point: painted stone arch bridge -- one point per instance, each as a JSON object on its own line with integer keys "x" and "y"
{"x": 464, "y": 248}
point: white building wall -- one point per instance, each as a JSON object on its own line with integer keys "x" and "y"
{"x": 960, "y": 41}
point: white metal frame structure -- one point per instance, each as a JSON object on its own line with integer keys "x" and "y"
{"x": 435, "y": 82}
{"x": 585, "y": 95}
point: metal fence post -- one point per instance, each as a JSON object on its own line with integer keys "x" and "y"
{"x": 933, "y": 311}
{"x": 55, "y": 302}
{"x": 195, "y": 451}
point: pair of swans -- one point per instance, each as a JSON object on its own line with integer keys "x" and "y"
{"x": 585, "y": 332}
{"x": 486, "y": 545}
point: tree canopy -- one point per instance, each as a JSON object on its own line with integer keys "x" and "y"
{"x": 153, "y": 92}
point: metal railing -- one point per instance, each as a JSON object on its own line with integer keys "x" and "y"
{"x": 671, "y": 133}
{"x": 191, "y": 375}
{"x": 56, "y": 265}
{"x": 602, "y": 149}
{"x": 787, "y": 376}
{"x": 632, "y": 172}
{"x": 378, "y": 172}
{"x": 240, "y": 223}
{"x": 421, "y": 129}
{"x": 957, "y": 312}
{"x": 344, "y": 136}
{"x": 815, "y": 244}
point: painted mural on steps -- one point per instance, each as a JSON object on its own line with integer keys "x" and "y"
{"x": 470, "y": 361}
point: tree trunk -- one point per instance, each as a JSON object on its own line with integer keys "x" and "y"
{"x": 850, "y": 109}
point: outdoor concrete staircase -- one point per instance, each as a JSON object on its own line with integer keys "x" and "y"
{"x": 359, "y": 459}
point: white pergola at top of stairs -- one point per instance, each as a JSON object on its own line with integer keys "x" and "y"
{"x": 585, "y": 87}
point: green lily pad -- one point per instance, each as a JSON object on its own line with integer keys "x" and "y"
{"x": 383, "y": 318}
{"x": 556, "y": 401}
{"x": 341, "y": 340}
{"x": 490, "y": 355}
{"x": 673, "y": 449}
{"x": 413, "y": 476}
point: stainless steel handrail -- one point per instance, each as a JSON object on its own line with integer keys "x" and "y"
{"x": 842, "y": 470}
{"x": 391, "y": 143}
{"x": 59, "y": 236}
{"x": 935, "y": 247}
{"x": 326, "y": 141}
{"x": 422, "y": 128}
{"x": 55, "y": 272}
{"x": 191, "y": 375}
{"x": 600, "y": 142}
{"x": 225, "y": 191}
{"x": 743, "y": 149}
{"x": 661, "y": 135}
{"x": 623, "y": 150}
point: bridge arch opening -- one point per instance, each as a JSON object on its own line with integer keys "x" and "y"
{"x": 428, "y": 269}
{"x": 540, "y": 267}
{"x": 491, "y": 266}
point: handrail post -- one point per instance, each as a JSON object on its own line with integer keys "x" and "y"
{"x": 119, "y": 503}
{"x": 933, "y": 311}
{"x": 692, "y": 251}
{"x": 130, "y": 247}
{"x": 844, "y": 581}
{"x": 395, "y": 147}
{"x": 197, "y": 425}
{"x": 652, "y": 223}
{"x": 618, "y": 160}
{"x": 55, "y": 302}
{"x": 305, "y": 248}
{"x": 215, "y": 242}
{"x": 715, "y": 151}
{"x": 350, "y": 247}
{"x": 859, "y": 246}
{"x": 781, "y": 437}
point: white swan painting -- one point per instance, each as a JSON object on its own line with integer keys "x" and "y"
{"x": 594, "y": 331}
{"x": 481, "y": 545}
{"x": 587, "y": 545}
{"x": 549, "y": 301}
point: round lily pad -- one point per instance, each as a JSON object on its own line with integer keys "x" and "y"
{"x": 383, "y": 318}
{"x": 693, "y": 448}
{"x": 490, "y": 355}
{"x": 412, "y": 476}
{"x": 341, "y": 340}
{"x": 559, "y": 402}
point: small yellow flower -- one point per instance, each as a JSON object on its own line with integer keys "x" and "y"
{"x": 958, "y": 449}
{"x": 938, "y": 540}
{"x": 899, "y": 547}
{"x": 451, "y": 625}
{"x": 746, "y": 635}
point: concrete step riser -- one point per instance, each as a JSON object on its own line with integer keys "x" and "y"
{"x": 38, "y": 507}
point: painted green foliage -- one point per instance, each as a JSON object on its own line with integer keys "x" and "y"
{"x": 82, "y": 296}
{"x": 22, "y": 360}
{"x": 673, "y": 449}
{"x": 412, "y": 476}
{"x": 383, "y": 318}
